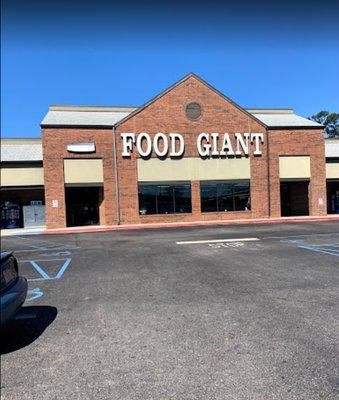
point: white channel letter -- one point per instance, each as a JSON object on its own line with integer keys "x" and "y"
{"x": 157, "y": 137}
{"x": 226, "y": 148}
{"x": 180, "y": 152}
{"x": 214, "y": 140}
{"x": 257, "y": 138}
{"x": 127, "y": 143}
{"x": 242, "y": 143}
{"x": 203, "y": 149}
{"x": 146, "y": 136}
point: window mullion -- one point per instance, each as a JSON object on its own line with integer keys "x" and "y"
{"x": 233, "y": 197}
{"x": 217, "y": 194}
{"x": 173, "y": 196}
{"x": 156, "y": 201}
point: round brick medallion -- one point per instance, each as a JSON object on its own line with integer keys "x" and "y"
{"x": 193, "y": 111}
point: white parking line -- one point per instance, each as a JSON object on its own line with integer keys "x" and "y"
{"x": 218, "y": 241}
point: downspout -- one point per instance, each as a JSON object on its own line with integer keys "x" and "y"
{"x": 268, "y": 173}
{"x": 116, "y": 177}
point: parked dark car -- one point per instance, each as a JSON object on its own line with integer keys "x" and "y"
{"x": 13, "y": 288}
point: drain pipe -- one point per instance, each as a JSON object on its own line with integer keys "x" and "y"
{"x": 116, "y": 176}
{"x": 268, "y": 173}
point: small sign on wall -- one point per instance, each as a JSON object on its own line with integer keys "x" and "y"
{"x": 36, "y": 203}
{"x": 81, "y": 147}
{"x": 320, "y": 201}
{"x": 55, "y": 203}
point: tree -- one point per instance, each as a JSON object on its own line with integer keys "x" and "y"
{"x": 330, "y": 122}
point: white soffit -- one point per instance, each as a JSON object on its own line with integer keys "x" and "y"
{"x": 332, "y": 148}
{"x": 21, "y": 152}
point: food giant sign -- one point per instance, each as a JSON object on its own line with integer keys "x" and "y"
{"x": 208, "y": 144}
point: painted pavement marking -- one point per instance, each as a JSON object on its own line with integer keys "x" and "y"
{"x": 33, "y": 294}
{"x": 225, "y": 245}
{"x": 327, "y": 250}
{"x": 45, "y": 249}
{"x": 44, "y": 275}
{"x": 40, "y": 245}
{"x": 218, "y": 241}
{"x": 40, "y": 270}
{"x": 301, "y": 235}
{"x": 331, "y": 249}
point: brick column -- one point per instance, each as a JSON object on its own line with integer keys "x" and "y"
{"x": 195, "y": 193}
{"x": 109, "y": 209}
{"x": 54, "y": 193}
{"x": 275, "y": 203}
{"x": 102, "y": 219}
{"x": 259, "y": 184}
{"x": 317, "y": 187}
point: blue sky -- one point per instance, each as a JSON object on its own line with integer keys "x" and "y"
{"x": 259, "y": 53}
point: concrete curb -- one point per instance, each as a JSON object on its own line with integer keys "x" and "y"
{"x": 188, "y": 224}
{"x": 93, "y": 229}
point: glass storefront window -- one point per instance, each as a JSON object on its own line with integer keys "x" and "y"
{"x": 182, "y": 199}
{"x": 225, "y": 196}
{"x": 165, "y": 204}
{"x": 241, "y": 192}
{"x": 164, "y": 198}
{"x": 208, "y": 195}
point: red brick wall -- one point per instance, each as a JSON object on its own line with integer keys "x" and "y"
{"x": 167, "y": 114}
{"x": 55, "y": 150}
{"x": 299, "y": 143}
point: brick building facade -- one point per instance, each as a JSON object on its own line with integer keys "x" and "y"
{"x": 90, "y": 179}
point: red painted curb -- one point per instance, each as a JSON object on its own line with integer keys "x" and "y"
{"x": 185, "y": 224}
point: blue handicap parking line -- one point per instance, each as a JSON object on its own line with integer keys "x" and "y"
{"x": 40, "y": 270}
{"x": 44, "y": 275}
{"x": 63, "y": 268}
{"x": 330, "y": 251}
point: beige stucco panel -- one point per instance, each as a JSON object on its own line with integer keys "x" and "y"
{"x": 332, "y": 171}
{"x": 22, "y": 176}
{"x": 294, "y": 167}
{"x": 188, "y": 169}
{"x": 83, "y": 171}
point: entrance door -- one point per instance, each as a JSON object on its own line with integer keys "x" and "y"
{"x": 82, "y": 206}
{"x": 333, "y": 197}
{"x": 34, "y": 215}
{"x": 294, "y": 198}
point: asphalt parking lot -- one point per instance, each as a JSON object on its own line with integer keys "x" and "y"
{"x": 224, "y": 312}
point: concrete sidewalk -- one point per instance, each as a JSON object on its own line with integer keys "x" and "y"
{"x": 38, "y": 230}
{"x": 104, "y": 228}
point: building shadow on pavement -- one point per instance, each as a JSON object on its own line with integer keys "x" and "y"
{"x": 26, "y": 327}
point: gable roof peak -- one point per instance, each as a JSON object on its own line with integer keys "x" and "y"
{"x": 183, "y": 79}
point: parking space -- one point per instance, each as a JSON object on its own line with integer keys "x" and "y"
{"x": 318, "y": 243}
{"x": 222, "y": 312}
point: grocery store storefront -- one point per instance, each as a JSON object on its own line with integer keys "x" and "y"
{"x": 190, "y": 154}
